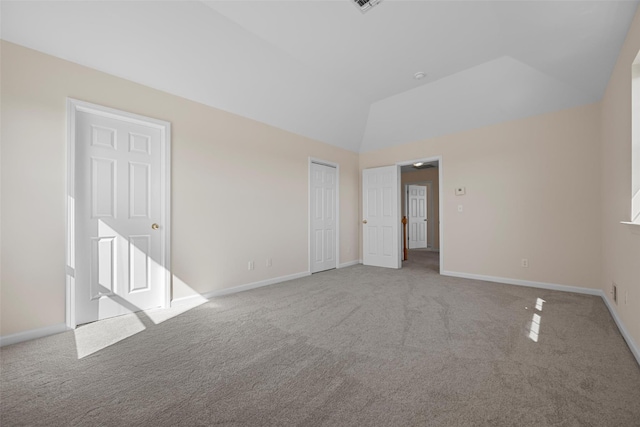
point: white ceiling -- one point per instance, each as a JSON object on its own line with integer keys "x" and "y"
{"x": 324, "y": 70}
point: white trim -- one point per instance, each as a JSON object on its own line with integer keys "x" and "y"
{"x": 633, "y": 226}
{"x": 74, "y": 106}
{"x": 440, "y": 203}
{"x": 337, "y": 207}
{"x": 519, "y": 282}
{"x": 61, "y": 327}
{"x": 33, "y": 334}
{"x": 635, "y": 349}
{"x": 350, "y": 263}
{"x": 228, "y": 291}
{"x": 188, "y": 300}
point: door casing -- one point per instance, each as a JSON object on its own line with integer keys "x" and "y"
{"x": 74, "y": 106}
{"x": 440, "y": 203}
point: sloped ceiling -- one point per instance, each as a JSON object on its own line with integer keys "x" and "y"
{"x": 324, "y": 70}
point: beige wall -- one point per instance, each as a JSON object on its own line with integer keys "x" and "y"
{"x": 533, "y": 191}
{"x": 551, "y": 188}
{"x": 239, "y": 188}
{"x": 621, "y": 243}
{"x": 422, "y": 176}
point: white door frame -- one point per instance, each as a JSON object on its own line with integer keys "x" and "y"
{"x": 440, "y": 203}
{"x": 73, "y": 107}
{"x": 337, "y": 208}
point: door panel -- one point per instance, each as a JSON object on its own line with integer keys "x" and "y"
{"x": 118, "y": 183}
{"x": 380, "y": 217}
{"x": 417, "y": 216}
{"x": 323, "y": 218}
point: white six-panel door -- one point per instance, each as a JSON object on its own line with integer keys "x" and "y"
{"x": 119, "y": 234}
{"x": 381, "y": 244}
{"x": 417, "y": 216}
{"x": 323, "y": 217}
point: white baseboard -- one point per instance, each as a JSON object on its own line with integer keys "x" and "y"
{"x": 208, "y": 295}
{"x": 194, "y": 300}
{"x": 33, "y": 334}
{"x": 350, "y": 263}
{"x": 518, "y": 282}
{"x": 635, "y": 350}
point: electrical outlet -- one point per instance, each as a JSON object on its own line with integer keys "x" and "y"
{"x": 524, "y": 263}
{"x": 269, "y": 263}
{"x": 459, "y": 208}
{"x": 251, "y": 265}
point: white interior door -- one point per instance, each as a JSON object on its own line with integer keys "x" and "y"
{"x": 323, "y": 217}
{"x": 118, "y": 212}
{"x": 380, "y": 205}
{"x": 417, "y": 216}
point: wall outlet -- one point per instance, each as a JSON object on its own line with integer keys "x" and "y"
{"x": 524, "y": 263}
{"x": 251, "y": 265}
{"x": 459, "y": 208}
{"x": 460, "y": 191}
{"x": 614, "y": 292}
{"x": 269, "y": 262}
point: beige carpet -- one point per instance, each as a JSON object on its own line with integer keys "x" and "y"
{"x": 360, "y": 346}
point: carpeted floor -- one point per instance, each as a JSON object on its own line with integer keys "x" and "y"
{"x": 360, "y": 346}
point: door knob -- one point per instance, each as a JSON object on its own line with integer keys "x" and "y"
{"x": 364, "y": 221}
{"x": 155, "y": 226}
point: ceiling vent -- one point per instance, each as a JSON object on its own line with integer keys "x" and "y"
{"x": 365, "y": 5}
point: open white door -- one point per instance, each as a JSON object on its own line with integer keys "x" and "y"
{"x": 121, "y": 221}
{"x": 417, "y": 216}
{"x": 380, "y": 217}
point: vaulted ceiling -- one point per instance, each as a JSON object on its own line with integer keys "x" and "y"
{"x": 324, "y": 70}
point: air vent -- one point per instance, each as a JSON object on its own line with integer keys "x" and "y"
{"x": 365, "y": 5}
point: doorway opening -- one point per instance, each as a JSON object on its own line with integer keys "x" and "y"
{"x": 420, "y": 185}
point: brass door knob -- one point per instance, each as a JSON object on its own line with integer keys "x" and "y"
{"x": 364, "y": 221}
{"x": 155, "y": 226}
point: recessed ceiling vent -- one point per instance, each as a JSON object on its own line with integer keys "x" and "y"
{"x": 365, "y": 5}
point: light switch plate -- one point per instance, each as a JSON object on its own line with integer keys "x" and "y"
{"x": 460, "y": 191}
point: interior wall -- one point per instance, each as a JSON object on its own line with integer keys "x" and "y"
{"x": 421, "y": 176}
{"x": 239, "y": 188}
{"x": 621, "y": 243}
{"x": 532, "y": 191}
